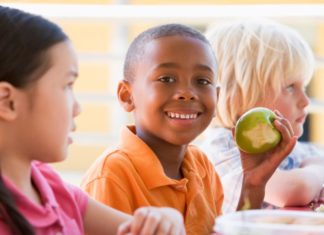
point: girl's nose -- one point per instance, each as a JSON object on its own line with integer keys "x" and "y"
{"x": 76, "y": 108}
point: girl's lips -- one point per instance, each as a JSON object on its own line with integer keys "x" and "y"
{"x": 70, "y": 140}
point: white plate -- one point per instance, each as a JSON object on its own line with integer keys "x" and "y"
{"x": 270, "y": 222}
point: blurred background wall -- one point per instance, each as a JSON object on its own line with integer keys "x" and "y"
{"x": 101, "y": 31}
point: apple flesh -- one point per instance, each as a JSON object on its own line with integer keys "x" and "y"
{"x": 255, "y": 132}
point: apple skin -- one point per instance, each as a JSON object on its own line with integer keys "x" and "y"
{"x": 255, "y": 132}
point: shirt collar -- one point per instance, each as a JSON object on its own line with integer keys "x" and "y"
{"x": 148, "y": 165}
{"x": 43, "y": 186}
{"x": 38, "y": 215}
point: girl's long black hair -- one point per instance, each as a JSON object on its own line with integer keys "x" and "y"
{"x": 24, "y": 41}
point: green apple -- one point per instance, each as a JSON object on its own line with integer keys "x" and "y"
{"x": 255, "y": 131}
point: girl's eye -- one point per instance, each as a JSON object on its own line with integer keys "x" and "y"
{"x": 167, "y": 79}
{"x": 70, "y": 85}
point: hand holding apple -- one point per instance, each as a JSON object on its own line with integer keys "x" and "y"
{"x": 259, "y": 167}
{"x": 255, "y": 131}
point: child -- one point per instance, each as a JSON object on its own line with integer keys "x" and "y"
{"x": 38, "y": 68}
{"x": 263, "y": 63}
{"x": 169, "y": 85}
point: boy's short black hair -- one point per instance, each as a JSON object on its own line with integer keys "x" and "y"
{"x": 137, "y": 47}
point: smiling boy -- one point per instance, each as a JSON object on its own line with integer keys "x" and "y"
{"x": 170, "y": 86}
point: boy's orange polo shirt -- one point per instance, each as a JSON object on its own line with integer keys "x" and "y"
{"x": 132, "y": 176}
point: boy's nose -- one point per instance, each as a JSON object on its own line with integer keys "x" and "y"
{"x": 187, "y": 94}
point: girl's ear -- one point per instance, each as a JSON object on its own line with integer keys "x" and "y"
{"x": 7, "y": 102}
{"x": 124, "y": 94}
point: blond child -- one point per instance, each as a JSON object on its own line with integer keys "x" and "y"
{"x": 263, "y": 63}
{"x": 170, "y": 86}
{"x": 38, "y": 68}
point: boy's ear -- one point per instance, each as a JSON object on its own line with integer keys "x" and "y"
{"x": 7, "y": 102}
{"x": 125, "y": 98}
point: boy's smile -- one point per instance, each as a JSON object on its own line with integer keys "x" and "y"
{"x": 173, "y": 91}
{"x": 181, "y": 117}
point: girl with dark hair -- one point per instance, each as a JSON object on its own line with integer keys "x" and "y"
{"x": 38, "y": 68}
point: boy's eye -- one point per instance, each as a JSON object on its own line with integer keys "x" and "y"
{"x": 203, "y": 81}
{"x": 167, "y": 79}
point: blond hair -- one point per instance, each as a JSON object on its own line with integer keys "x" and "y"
{"x": 254, "y": 58}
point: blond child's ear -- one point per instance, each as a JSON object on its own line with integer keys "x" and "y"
{"x": 124, "y": 93}
{"x": 7, "y": 102}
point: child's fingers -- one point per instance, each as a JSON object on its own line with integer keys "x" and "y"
{"x": 286, "y": 145}
{"x": 183, "y": 231}
{"x": 277, "y": 112}
{"x": 176, "y": 229}
{"x": 284, "y": 129}
{"x": 152, "y": 222}
{"x": 166, "y": 228}
{"x": 171, "y": 227}
{"x": 157, "y": 221}
{"x": 124, "y": 228}
{"x": 286, "y": 148}
{"x": 265, "y": 168}
{"x": 291, "y": 144}
{"x": 139, "y": 218}
{"x": 173, "y": 222}
{"x": 287, "y": 124}
{"x": 286, "y": 133}
{"x": 282, "y": 119}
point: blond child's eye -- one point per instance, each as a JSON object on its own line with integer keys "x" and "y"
{"x": 167, "y": 79}
{"x": 290, "y": 88}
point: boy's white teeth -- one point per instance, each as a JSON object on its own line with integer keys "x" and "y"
{"x": 182, "y": 116}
